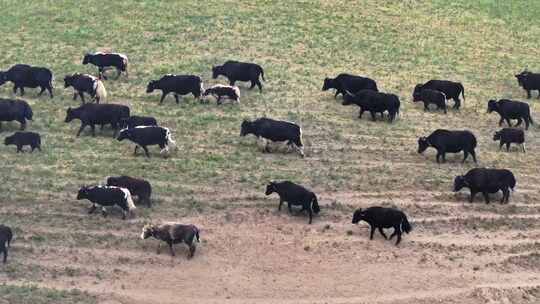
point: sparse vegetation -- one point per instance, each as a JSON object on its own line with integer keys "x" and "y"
{"x": 350, "y": 163}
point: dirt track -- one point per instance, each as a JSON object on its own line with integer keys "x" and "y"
{"x": 457, "y": 253}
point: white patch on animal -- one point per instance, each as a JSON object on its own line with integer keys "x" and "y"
{"x": 202, "y": 87}
{"x": 144, "y": 229}
{"x": 99, "y": 53}
{"x": 127, "y": 196}
{"x": 101, "y": 93}
{"x": 103, "y": 209}
{"x": 141, "y": 127}
{"x": 168, "y": 136}
{"x": 237, "y": 91}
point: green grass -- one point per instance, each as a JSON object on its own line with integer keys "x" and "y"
{"x": 398, "y": 43}
{"x": 34, "y": 295}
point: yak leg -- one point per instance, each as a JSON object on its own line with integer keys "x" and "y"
{"x": 506, "y": 194}
{"x": 465, "y": 155}
{"x": 372, "y": 232}
{"x": 523, "y": 147}
{"x": 81, "y": 129}
{"x": 146, "y": 151}
{"x": 501, "y": 121}
{"x": 507, "y": 147}
{"x": 473, "y": 155}
{"x": 280, "y": 203}
{"x": 382, "y": 233}
{"x": 158, "y": 251}
{"x": 41, "y": 92}
{"x": 397, "y": 230}
{"x": 92, "y": 209}
{"x": 171, "y": 248}
{"x": 471, "y": 199}
{"x": 310, "y": 215}
{"x": 528, "y": 93}
{"x": 163, "y": 97}
{"x": 486, "y": 197}
{"x": 176, "y": 98}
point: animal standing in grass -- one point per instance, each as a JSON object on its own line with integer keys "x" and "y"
{"x": 511, "y": 109}
{"x": 294, "y": 194}
{"x": 451, "y": 89}
{"x": 508, "y": 136}
{"x": 445, "y": 141}
{"x": 21, "y": 139}
{"x": 275, "y": 131}
{"x": 145, "y": 136}
{"x": 6, "y": 235}
{"x": 106, "y": 196}
{"x": 98, "y": 114}
{"x": 25, "y": 76}
{"x": 84, "y": 83}
{"x": 349, "y": 83}
{"x": 429, "y": 96}
{"x": 178, "y": 85}
{"x": 219, "y": 91}
{"x": 380, "y": 217}
{"x": 173, "y": 233}
{"x": 374, "y": 102}
{"x": 106, "y": 61}
{"x": 14, "y": 109}
{"x": 529, "y": 81}
{"x": 240, "y": 71}
{"x": 486, "y": 181}
{"x": 136, "y": 186}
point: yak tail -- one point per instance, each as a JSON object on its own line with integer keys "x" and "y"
{"x": 28, "y": 114}
{"x": 197, "y": 234}
{"x": 169, "y": 138}
{"x": 530, "y": 119}
{"x": 405, "y": 226}
{"x": 101, "y": 93}
{"x": 315, "y": 204}
{"x": 129, "y": 200}
{"x": 462, "y": 90}
{"x": 262, "y": 73}
{"x": 125, "y": 61}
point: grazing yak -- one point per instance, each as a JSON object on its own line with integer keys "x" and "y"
{"x": 486, "y": 181}
{"x": 25, "y": 76}
{"x": 173, "y": 233}
{"x": 274, "y": 130}
{"x": 529, "y": 82}
{"x": 349, "y": 83}
{"x": 107, "y": 60}
{"x": 429, "y": 96}
{"x": 135, "y": 121}
{"x": 84, "y": 83}
{"x": 107, "y": 196}
{"x": 510, "y": 109}
{"x": 507, "y": 136}
{"x": 380, "y": 217}
{"x": 240, "y": 71}
{"x": 136, "y": 186}
{"x": 178, "y": 85}
{"x": 451, "y": 89}
{"x": 294, "y": 194}
{"x": 445, "y": 141}
{"x": 21, "y": 139}
{"x": 98, "y": 114}
{"x": 13, "y": 109}
{"x": 144, "y": 136}
{"x": 6, "y": 235}
{"x": 219, "y": 91}
{"x": 374, "y": 102}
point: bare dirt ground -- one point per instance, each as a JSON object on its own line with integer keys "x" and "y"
{"x": 457, "y": 253}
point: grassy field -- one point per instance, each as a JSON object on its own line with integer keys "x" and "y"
{"x": 214, "y": 171}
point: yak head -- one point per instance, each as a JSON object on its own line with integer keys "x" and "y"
{"x": 87, "y": 58}
{"x": 459, "y": 183}
{"x": 246, "y": 128}
{"x": 329, "y": 83}
{"x": 417, "y": 89}
{"x": 521, "y": 77}
{"x": 124, "y": 133}
{"x": 70, "y": 115}
{"x": 358, "y": 215}
{"x": 147, "y": 231}
{"x": 423, "y": 144}
{"x": 493, "y": 106}
{"x": 152, "y": 85}
{"x": 9, "y": 140}
{"x": 497, "y": 135}
{"x": 83, "y": 193}
{"x": 416, "y": 96}
{"x": 68, "y": 80}
{"x": 216, "y": 71}
{"x": 3, "y": 77}
{"x": 270, "y": 188}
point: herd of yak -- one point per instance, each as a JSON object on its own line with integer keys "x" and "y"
{"x": 144, "y": 131}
